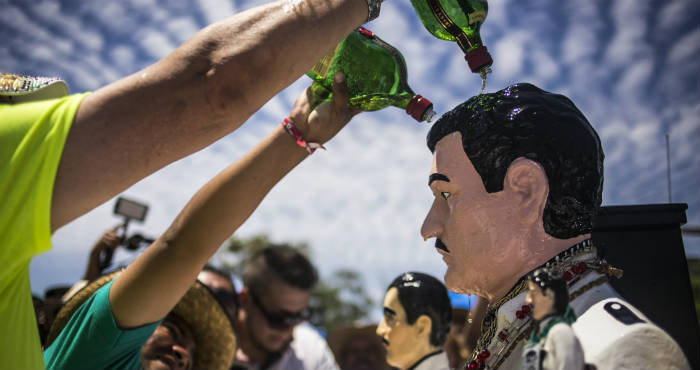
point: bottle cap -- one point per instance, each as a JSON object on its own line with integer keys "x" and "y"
{"x": 365, "y": 32}
{"x": 418, "y": 106}
{"x": 478, "y": 58}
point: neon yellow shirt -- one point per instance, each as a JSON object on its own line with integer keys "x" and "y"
{"x": 31, "y": 142}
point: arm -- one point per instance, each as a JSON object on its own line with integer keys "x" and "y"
{"x": 202, "y": 91}
{"x": 151, "y": 286}
{"x": 108, "y": 242}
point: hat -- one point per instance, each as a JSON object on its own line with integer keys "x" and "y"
{"x": 338, "y": 338}
{"x": 211, "y": 326}
{"x": 20, "y": 89}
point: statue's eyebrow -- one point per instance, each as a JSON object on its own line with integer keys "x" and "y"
{"x": 437, "y": 177}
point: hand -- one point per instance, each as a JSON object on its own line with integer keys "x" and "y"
{"x": 321, "y": 124}
{"x": 109, "y": 240}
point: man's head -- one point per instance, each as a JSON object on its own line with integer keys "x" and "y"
{"x": 197, "y": 333}
{"x": 547, "y": 293}
{"x": 275, "y": 297}
{"x": 171, "y": 346}
{"x": 417, "y": 315}
{"x": 221, "y": 286}
{"x": 510, "y": 170}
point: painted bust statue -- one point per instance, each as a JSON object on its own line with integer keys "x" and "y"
{"x": 517, "y": 180}
{"x": 417, "y": 318}
{"x": 553, "y": 345}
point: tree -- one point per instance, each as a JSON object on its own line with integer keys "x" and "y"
{"x": 335, "y": 301}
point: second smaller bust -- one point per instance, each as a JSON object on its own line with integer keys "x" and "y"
{"x": 417, "y": 316}
{"x": 552, "y": 344}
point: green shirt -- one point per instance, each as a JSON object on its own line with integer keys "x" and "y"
{"x": 92, "y": 340}
{"x": 31, "y": 142}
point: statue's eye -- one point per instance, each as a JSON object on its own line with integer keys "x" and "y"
{"x": 445, "y": 194}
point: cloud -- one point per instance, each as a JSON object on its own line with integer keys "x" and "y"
{"x": 156, "y": 43}
{"x": 511, "y": 52}
{"x": 635, "y": 80}
{"x": 629, "y": 41}
{"x": 670, "y": 14}
{"x": 685, "y": 49}
{"x": 182, "y": 28}
{"x": 123, "y": 57}
{"x": 580, "y": 42}
{"x": 215, "y": 10}
{"x": 630, "y": 66}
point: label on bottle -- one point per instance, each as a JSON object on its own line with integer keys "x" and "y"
{"x": 322, "y": 66}
{"x": 449, "y": 26}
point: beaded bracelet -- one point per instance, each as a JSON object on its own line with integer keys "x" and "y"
{"x": 289, "y": 127}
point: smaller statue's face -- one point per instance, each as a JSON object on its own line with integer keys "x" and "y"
{"x": 401, "y": 340}
{"x": 542, "y": 302}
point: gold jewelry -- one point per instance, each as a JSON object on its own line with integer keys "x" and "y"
{"x": 576, "y": 263}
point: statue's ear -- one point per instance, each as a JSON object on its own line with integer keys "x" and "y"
{"x": 423, "y": 326}
{"x": 527, "y": 184}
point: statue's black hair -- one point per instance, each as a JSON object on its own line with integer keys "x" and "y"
{"x": 422, "y": 294}
{"x": 524, "y": 121}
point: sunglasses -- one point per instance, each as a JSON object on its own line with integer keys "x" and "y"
{"x": 280, "y": 321}
{"x": 225, "y": 297}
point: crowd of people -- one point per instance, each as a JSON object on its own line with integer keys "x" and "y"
{"x": 517, "y": 180}
{"x": 269, "y": 315}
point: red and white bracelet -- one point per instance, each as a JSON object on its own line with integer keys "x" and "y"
{"x": 289, "y": 126}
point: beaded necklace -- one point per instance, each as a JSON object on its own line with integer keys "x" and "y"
{"x": 575, "y": 263}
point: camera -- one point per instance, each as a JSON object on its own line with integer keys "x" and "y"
{"x": 130, "y": 209}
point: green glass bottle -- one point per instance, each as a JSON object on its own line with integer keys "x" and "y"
{"x": 375, "y": 73}
{"x": 458, "y": 21}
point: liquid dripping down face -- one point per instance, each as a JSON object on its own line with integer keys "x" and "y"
{"x": 474, "y": 230}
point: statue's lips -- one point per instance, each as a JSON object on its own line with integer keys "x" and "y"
{"x": 440, "y": 245}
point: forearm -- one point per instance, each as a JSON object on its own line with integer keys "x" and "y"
{"x": 227, "y": 201}
{"x": 163, "y": 273}
{"x": 202, "y": 91}
{"x": 92, "y": 271}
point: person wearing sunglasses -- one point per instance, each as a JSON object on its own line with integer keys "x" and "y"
{"x": 221, "y": 285}
{"x": 270, "y": 323}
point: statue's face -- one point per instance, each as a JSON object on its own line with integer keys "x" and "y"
{"x": 478, "y": 229}
{"x": 542, "y": 302}
{"x": 402, "y": 340}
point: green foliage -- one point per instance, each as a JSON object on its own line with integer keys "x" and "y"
{"x": 339, "y": 301}
{"x": 336, "y": 301}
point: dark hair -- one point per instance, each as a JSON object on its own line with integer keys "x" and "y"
{"x": 553, "y": 280}
{"x": 219, "y": 271}
{"x": 280, "y": 261}
{"x": 224, "y": 297}
{"x": 422, "y": 294}
{"x": 524, "y": 121}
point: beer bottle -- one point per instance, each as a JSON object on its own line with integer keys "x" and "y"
{"x": 458, "y": 21}
{"x": 375, "y": 73}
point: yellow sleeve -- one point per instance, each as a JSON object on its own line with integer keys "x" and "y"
{"x": 32, "y": 136}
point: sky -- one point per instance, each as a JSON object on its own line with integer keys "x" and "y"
{"x": 631, "y": 66}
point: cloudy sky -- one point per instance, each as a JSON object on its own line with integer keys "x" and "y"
{"x": 632, "y": 66}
